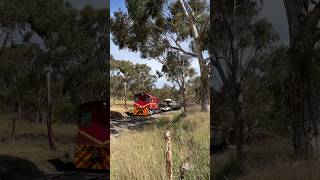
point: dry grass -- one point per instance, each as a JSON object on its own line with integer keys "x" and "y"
{"x": 119, "y": 102}
{"x": 31, "y": 142}
{"x": 140, "y": 155}
{"x": 117, "y": 105}
{"x": 269, "y": 160}
{"x": 294, "y": 170}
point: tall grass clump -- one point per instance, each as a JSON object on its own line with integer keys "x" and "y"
{"x": 140, "y": 154}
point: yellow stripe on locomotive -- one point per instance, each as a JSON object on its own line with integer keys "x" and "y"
{"x": 92, "y": 151}
{"x": 140, "y": 111}
{"x": 92, "y": 157}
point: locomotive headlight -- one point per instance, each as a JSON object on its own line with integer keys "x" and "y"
{"x": 96, "y": 156}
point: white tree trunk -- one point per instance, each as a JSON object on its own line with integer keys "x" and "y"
{"x": 202, "y": 65}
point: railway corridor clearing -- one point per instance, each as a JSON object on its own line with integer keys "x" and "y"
{"x": 119, "y": 125}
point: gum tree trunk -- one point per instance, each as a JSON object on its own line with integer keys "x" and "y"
{"x": 203, "y": 67}
{"x": 304, "y": 107}
{"x": 14, "y": 123}
{"x": 303, "y": 19}
{"x": 238, "y": 123}
{"x": 51, "y": 139}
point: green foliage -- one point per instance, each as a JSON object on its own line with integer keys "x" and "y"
{"x": 241, "y": 41}
{"x": 151, "y": 26}
{"x": 137, "y": 77}
{"x": 15, "y": 71}
{"x": 178, "y": 68}
{"x": 50, "y": 36}
{"x": 165, "y": 92}
{"x": 265, "y": 97}
{"x": 158, "y": 29}
{"x": 276, "y": 66}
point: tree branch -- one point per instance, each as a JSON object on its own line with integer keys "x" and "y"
{"x": 204, "y": 27}
{"x": 4, "y": 43}
{"x": 313, "y": 20}
{"x": 220, "y": 70}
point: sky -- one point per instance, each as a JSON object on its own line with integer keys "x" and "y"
{"x": 274, "y": 11}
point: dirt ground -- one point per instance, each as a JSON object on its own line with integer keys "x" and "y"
{"x": 120, "y": 120}
{"x": 26, "y": 156}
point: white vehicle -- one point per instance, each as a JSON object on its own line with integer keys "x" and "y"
{"x": 165, "y": 109}
{"x": 172, "y": 104}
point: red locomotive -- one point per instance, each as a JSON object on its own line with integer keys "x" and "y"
{"x": 145, "y": 104}
{"x": 93, "y": 148}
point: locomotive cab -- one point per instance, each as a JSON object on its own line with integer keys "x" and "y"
{"x": 94, "y": 112}
{"x": 145, "y": 104}
{"x": 92, "y": 150}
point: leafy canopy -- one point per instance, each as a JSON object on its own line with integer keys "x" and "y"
{"x": 157, "y": 27}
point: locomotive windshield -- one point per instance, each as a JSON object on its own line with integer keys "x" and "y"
{"x": 85, "y": 118}
{"x": 136, "y": 97}
{"x": 140, "y": 97}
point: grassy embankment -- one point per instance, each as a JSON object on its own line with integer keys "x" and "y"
{"x": 268, "y": 160}
{"x": 31, "y": 142}
{"x": 140, "y": 154}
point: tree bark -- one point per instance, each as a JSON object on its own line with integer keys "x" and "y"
{"x": 304, "y": 89}
{"x": 203, "y": 68}
{"x": 38, "y": 107}
{"x": 51, "y": 138}
{"x": 19, "y": 111}
{"x": 237, "y": 88}
{"x": 204, "y": 89}
{"x": 14, "y": 123}
{"x": 4, "y": 43}
{"x": 304, "y": 107}
{"x": 125, "y": 95}
{"x": 184, "y": 101}
{"x": 238, "y": 122}
{"x": 184, "y": 89}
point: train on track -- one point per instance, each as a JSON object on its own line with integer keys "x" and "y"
{"x": 92, "y": 146}
{"x": 92, "y": 150}
{"x": 146, "y": 104}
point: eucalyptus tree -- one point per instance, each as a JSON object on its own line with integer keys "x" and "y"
{"x": 68, "y": 45}
{"x": 86, "y": 74}
{"x": 47, "y": 20}
{"x": 15, "y": 71}
{"x": 137, "y": 77}
{"x": 178, "y": 70}
{"x": 238, "y": 39}
{"x": 304, "y": 30}
{"x": 157, "y": 28}
{"x": 11, "y": 18}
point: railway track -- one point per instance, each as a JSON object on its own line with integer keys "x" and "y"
{"x": 132, "y": 122}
